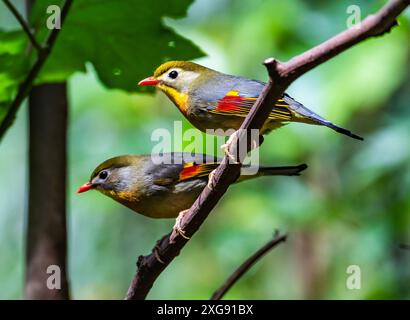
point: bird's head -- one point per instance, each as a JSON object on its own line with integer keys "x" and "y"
{"x": 176, "y": 79}
{"x": 116, "y": 177}
{"x": 178, "y": 75}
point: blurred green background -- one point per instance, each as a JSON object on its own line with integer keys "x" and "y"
{"x": 351, "y": 207}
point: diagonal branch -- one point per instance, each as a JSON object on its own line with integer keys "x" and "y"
{"x": 26, "y": 85}
{"x": 245, "y": 266}
{"x": 23, "y": 24}
{"x": 281, "y": 76}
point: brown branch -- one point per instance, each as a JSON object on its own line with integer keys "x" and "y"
{"x": 23, "y": 24}
{"x": 247, "y": 264}
{"x": 26, "y": 85}
{"x": 281, "y": 76}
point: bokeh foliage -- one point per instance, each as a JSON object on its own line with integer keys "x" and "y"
{"x": 351, "y": 207}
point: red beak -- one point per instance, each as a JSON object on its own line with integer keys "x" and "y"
{"x": 150, "y": 81}
{"x": 85, "y": 187}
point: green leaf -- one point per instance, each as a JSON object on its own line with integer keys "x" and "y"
{"x": 123, "y": 40}
{"x": 13, "y": 66}
{"x": 12, "y": 42}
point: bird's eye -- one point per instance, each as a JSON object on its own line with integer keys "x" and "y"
{"x": 173, "y": 74}
{"x": 103, "y": 175}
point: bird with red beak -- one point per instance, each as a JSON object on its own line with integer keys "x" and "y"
{"x": 213, "y": 100}
{"x": 147, "y": 185}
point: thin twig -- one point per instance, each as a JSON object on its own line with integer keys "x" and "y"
{"x": 404, "y": 246}
{"x": 245, "y": 266}
{"x": 281, "y": 76}
{"x": 26, "y": 85}
{"x": 23, "y": 24}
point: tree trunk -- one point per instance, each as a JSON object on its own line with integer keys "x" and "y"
{"x": 46, "y": 227}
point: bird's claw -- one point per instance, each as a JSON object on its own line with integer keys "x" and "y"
{"x": 255, "y": 144}
{"x": 225, "y": 147}
{"x": 211, "y": 178}
{"x": 177, "y": 228}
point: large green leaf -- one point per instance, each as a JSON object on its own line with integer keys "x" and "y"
{"x": 123, "y": 40}
{"x": 13, "y": 65}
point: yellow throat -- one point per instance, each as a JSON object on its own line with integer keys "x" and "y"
{"x": 178, "y": 98}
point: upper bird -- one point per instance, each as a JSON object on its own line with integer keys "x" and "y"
{"x": 213, "y": 100}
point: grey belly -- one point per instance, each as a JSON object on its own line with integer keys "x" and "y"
{"x": 168, "y": 204}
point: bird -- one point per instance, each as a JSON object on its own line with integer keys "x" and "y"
{"x": 163, "y": 185}
{"x": 212, "y": 100}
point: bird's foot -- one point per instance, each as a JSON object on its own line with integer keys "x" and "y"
{"x": 255, "y": 143}
{"x": 225, "y": 147}
{"x": 177, "y": 228}
{"x": 211, "y": 181}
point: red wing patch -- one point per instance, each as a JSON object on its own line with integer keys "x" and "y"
{"x": 234, "y": 104}
{"x": 193, "y": 170}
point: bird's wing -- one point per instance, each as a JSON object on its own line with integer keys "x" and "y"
{"x": 200, "y": 167}
{"x": 244, "y": 93}
{"x": 192, "y": 170}
{"x": 239, "y": 104}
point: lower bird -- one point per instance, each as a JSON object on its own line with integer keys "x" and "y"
{"x": 163, "y": 189}
{"x": 213, "y": 100}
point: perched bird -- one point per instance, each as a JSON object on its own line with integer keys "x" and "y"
{"x": 163, "y": 186}
{"x": 212, "y": 100}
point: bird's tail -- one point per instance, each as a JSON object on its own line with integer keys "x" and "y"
{"x": 273, "y": 171}
{"x": 282, "y": 171}
{"x": 308, "y": 116}
{"x": 339, "y": 129}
